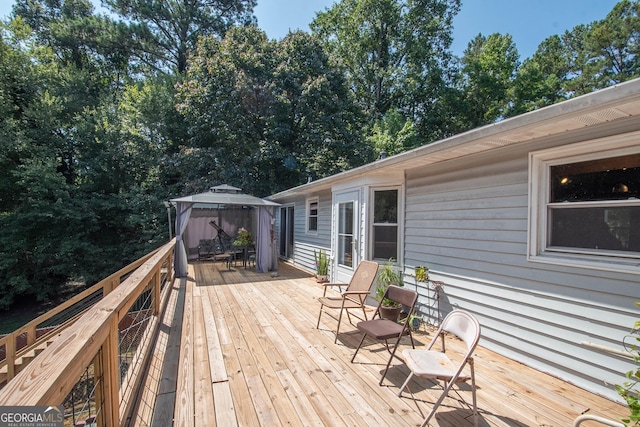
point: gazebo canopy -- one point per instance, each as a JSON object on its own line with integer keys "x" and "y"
{"x": 222, "y": 196}
{"x": 226, "y": 197}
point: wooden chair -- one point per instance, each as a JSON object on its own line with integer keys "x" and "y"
{"x": 384, "y": 329}
{"x": 437, "y": 365}
{"x": 353, "y": 297}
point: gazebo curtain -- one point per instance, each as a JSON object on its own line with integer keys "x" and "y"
{"x": 265, "y": 259}
{"x": 182, "y": 219}
{"x": 265, "y": 241}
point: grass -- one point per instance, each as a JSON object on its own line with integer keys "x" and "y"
{"x": 20, "y": 314}
{"x": 25, "y": 308}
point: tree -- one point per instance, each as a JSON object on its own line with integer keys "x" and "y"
{"x": 226, "y": 100}
{"x": 96, "y": 44}
{"x": 489, "y": 65}
{"x": 79, "y": 181}
{"x": 586, "y": 58}
{"x": 541, "y": 79}
{"x": 168, "y": 29}
{"x": 318, "y": 122}
{"x": 614, "y": 43}
{"x": 34, "y": 194}
{"x": 395, "y": 55}
{"x": 393, "y": 134}
{"x": 267, "y": 115}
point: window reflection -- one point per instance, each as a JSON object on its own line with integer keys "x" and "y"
{"x": 617, "y": 178}
{"x": 594, "y": 204}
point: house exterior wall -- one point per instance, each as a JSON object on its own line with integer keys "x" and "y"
{"x": 467, "y": 220}
{"x": 304, "y": 242}
{"x": 475, "y": 211}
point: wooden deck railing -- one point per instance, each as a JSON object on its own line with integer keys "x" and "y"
{"x": 95, "y": 339}
{"x": 18, "y": 348}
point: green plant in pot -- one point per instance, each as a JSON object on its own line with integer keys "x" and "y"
{"x": 422, "y": 273}
{"x": 388, "y": 276}
{"x": 245, "y": 238}
{"x": 322, "y": 265}
{"x": 630, "y": 390}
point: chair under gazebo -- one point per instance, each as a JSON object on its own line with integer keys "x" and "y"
{"x": 230, "y": 210}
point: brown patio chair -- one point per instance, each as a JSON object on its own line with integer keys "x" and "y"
{"x": 436, "y": 365}
{"x": 353, "y": 297}
{"x": 384, "y": 329}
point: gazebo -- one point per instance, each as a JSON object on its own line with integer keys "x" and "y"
{"x": 209, "y": 206}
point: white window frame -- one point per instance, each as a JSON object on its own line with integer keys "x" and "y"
{"x": 540, "y": 163}
{"x": 400, "y": 220}
{"x": 308, "y": 215}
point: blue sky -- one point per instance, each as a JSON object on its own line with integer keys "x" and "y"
{"x": 528, "y": 22}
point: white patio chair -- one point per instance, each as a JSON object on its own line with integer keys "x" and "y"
{"x": 578, "y": 421}
{"x": 437, "y": 365}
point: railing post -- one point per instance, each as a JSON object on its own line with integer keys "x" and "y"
{"x": 31, "y": 335}
{"x": 10, "y": 349}
{"x": 99, "y": 374}
{"x": 156, "y": 290}
{"x": 111, "y": 376}
{"x": 108, "y": 287}
{"x": 170, "y": 268}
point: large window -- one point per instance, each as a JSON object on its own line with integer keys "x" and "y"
{"x": 385, "y": 224}
{"x": 588, "y": 205}
{"x": 312, "y": 215}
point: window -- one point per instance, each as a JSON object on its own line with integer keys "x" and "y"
{"x": 385, "y": 224}
{"x": 588, "y": 205}
{"x": 312, "y": 215}
{"x": 345, "y": 234}
{"x": 286, "y": 231}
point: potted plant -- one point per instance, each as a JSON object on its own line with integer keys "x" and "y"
{"x": 245, "y": 238}
{"x": 422, "y": 273}
{"x": 630, "y": 389}
{"x": 415, "y": 321}
{"x": 388, "y": 276}
{"x": 322, "y": 266}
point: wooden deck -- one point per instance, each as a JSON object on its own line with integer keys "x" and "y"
{"x": 241, "y": 348}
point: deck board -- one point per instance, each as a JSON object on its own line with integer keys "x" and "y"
{"x": 250, "y": 355}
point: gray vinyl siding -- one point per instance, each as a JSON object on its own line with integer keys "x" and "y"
{"x": 305, "y": 243}
{"x": 466, "y": 216}
{"x": 467, "y": 221}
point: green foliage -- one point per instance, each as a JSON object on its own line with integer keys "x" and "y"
{"x": 166, "y": 31}
{"x": 387, "y": 276}
{"x": 322, "y": 262}
{"x": 422, "y": 273}
{"x": 489, "y": 66}
{"x": 393, "y": 134}
{"x": 269, "y": 115}
{"x": 588, "y": 57}
{"x": 245, "y": 238}
{"x": 540, "y": 80}
{"x": 630, "y": 390}
{"x": 395, "y": 55}
{"x": 613, "y": 44}
{"x": 79, "y": 182}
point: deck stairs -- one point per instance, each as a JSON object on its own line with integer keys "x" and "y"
{"x": 26, "y": 355}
